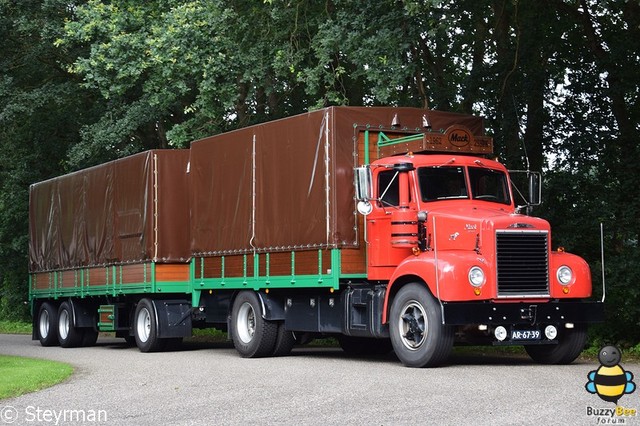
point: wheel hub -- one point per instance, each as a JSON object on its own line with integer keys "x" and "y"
{"x": 64, "y": 324}
{"x": 413, "y": 325}
{"x": 144, "y": 325}
{"x": 246, "y": 323}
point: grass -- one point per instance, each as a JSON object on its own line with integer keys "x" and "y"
{"x": 15, "y": 327}
{"x": 23, "y": 375}
{"x": 208, "y": 335}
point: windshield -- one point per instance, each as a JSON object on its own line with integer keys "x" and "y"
{"x": 448, "y": 183}
{"x": 442, "y": 183}
{"x": 489, "y": 185}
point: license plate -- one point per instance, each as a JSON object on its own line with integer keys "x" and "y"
{"x": 525, "y": 335}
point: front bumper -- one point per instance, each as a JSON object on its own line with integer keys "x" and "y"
{"x": 552, "y": 312}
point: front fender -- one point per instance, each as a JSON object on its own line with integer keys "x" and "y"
{"x": 580, "y": 286}
{"x": 452, "y": 283}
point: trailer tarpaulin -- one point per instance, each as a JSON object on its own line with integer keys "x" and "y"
{"x": 288, "y": 184}
{"x": 130, "y": 210}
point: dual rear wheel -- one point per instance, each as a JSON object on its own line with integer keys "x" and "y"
{"x": 56, "y": 326}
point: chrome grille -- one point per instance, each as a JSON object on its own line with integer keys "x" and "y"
{"x": 523, "y": 263}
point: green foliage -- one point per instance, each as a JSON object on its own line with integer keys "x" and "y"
{"x": 174, "y": 71}
{"x": 15, "y": 327}
{"x": 41, "y": 111}
{"x": 592, "y": 117}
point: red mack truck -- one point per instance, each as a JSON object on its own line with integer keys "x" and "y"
{"x": 387, "y": 228}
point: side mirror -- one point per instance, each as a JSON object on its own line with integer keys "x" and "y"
{"x": 535, "y": 188}
{"x": 363, "y": 182}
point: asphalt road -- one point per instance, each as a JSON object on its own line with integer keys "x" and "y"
{"x": 209, "y": 384}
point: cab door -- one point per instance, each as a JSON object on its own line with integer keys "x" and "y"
{"x": 392, "y": 198}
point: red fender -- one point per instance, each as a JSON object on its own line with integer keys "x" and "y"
{"x": 580, "y": 286}
{"x": 453, "y": 280}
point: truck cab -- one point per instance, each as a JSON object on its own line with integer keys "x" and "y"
{"x": 445, "y": 232}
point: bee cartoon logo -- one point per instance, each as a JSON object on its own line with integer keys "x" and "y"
{"x": 610, "y": 381}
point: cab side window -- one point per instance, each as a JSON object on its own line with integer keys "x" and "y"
{"x": 388, "y": 189}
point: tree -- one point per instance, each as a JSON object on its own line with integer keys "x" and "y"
{"x": 174, "y": 71}
{"x": 42, "y": 108}
{"x": 597, "y": 113}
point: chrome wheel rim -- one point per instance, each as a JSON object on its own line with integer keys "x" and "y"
{"x": 43, "y": 324}
{"x": 413, "y": 325}
{"x": 246, "y": 323}
{"x": 143, "y": 325}
{"x": 64, "y": 324}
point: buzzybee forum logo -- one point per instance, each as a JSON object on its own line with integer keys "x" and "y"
{"x": 610, "y": 382}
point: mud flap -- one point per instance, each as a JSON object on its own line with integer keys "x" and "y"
{"x": 174, "y": 318}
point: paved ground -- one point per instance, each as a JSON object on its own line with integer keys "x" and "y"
{"x": 209, "y": 384}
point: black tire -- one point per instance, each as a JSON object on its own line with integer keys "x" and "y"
{"x": 69, "y": 335}
{"x": 130, "y": 340}
{"x": 253, "y": 336}
{"x": 571, "y": 342}
{"x": 47, "y": 325}
{"x": 418, "y": 336}
{"x": 285, "y": 340}
{"x": 89, "y": 338}
{"x": 360, "y": 346}
{"x": 145, "y": 327}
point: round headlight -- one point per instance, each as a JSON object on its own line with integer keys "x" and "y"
{"x": 476, "y": 276}
{"x": 564, "y": 275}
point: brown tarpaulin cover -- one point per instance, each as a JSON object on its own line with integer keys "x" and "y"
{"x": 288, "y": 184}
{"x": 278, "y": 186}
{"x": 107, "y": 214}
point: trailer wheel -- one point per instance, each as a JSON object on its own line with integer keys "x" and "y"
{"x": 68, "y": 334}
{"x": 285, "y": 340}
{"x": 571, "y": 342}
{"x": 146, "y": 327}
{"x": 47, "y": 325}
{"x": 418, "y": 336}
{"x": 253, "y": 336}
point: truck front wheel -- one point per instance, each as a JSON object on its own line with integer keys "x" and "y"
{"x": 253, "y": 336}
{"x": 571, "y": 342}
{"x": 418, "y": 336}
